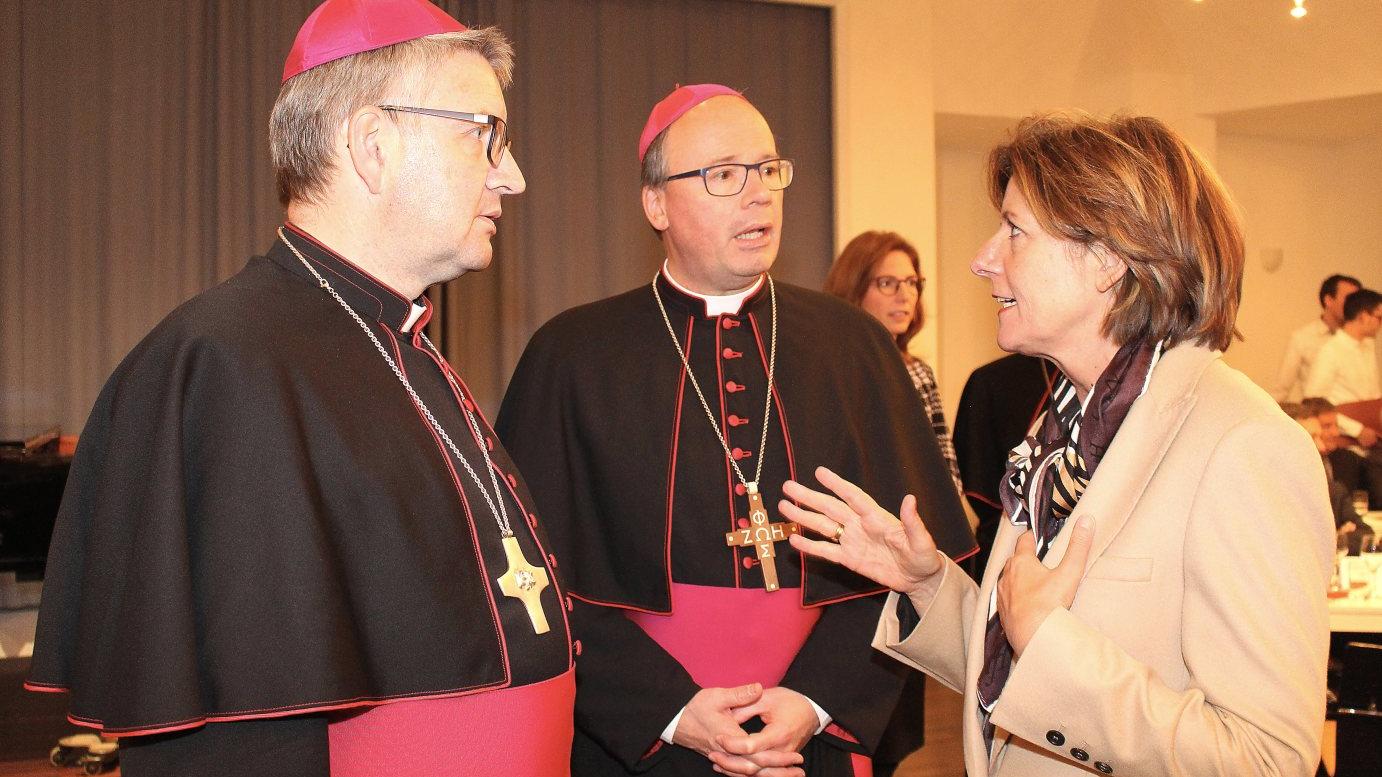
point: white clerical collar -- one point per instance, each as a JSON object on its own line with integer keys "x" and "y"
{"x": 716, "y": 304}
{"x": 413, "y": 316}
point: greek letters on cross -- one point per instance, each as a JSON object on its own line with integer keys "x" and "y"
{"x": 760, "y": 536}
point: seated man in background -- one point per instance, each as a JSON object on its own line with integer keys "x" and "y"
{"x": 1347, "y": 523}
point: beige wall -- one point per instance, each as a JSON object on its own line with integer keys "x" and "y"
{"x": 885, "y": 162}
{"x": 966, "y": 317}
{"x": 924, "y": 86}
{"x": 1320, "y": 205}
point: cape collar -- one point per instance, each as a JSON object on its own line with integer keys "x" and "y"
{"x": 709, "y": 306}
{"x": 367, "y": 295}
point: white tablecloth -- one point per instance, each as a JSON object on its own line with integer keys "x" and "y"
{"x": 1358, "y": 611}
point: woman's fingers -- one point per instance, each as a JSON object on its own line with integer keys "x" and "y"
{"x": 819, "y": 548}
{"x": 825, "y": 504}
{"x": 814, "y": 521}
{"x": 852, "y": 495}
{"x": 912, "y": 525}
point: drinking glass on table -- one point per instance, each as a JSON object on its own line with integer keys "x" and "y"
{"x": 1372, "y": 558}
{"x": 1360, "y": 502}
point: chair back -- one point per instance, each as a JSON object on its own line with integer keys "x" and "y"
{"x": 1360, "y": 687}
{"x": 1358, "y": 736}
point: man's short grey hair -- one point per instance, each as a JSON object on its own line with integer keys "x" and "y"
{"x": 655, "y": 162}
{"x": 311, "y": 105}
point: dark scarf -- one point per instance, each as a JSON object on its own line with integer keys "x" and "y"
{"x": 1075, "y": 440}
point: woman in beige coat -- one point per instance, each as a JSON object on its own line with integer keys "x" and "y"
{"x": 1155, "y": 600}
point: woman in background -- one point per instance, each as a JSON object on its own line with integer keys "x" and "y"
{"x": 881, "y": 273}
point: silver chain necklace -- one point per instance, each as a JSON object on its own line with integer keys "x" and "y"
{"x": 501, "y": 515}
{"x": 749, "y": 485}
{"x": 521, "y": 580}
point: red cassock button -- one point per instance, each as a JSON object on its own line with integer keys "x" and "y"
{"x": 743, "y": 523}
{"x": 513, "y": 481}
{"x": 749, "y": 561}
{"x": 728, "y": 323}
{"x": 740, "y": 453}
{"x": 736, "y": 420}
{"x": 569, "y": 605}
{"x": 730, "y": 353}
{"x": 532, "y": 520}
{"x": 732, "y": 387}
{"x": 489, "y": 443}
{"x": 739, "y": 489}
{"x": 577, "y": 646}
{"x": 551, "y": 561}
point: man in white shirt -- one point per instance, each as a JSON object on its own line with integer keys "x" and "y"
{"x": 1305, "y": 342}
{"x": 1345, "y": 369}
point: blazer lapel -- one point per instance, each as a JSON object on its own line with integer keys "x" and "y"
{"x": 1123, "y": 474}
{"x": 1138, "y": 448}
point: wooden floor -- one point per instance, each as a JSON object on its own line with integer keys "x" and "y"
{"x": 940, "y": 758}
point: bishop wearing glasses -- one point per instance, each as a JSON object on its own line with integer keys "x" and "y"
{"x": 290, "y": 544}
{"x": 657, "y": 428}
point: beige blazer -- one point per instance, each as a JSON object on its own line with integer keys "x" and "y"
{"x": 1197, "y": 641}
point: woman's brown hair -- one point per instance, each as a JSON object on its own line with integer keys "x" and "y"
{"x": 1132, "y": 186}
{"x": 852, "y": 272}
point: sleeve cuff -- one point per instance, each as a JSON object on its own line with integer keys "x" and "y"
{"x": 821, "y": 715}
{"x": 671, "y": 730}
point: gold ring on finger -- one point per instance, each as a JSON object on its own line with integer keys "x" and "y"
{"x": 839, "y": 532}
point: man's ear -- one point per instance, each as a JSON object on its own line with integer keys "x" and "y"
{"x": 1109, "y": 266}
{"x": 364, "y": 140}
{"x": 655, "y": 207}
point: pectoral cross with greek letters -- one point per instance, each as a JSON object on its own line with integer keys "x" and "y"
{"x": 761, "y": 535}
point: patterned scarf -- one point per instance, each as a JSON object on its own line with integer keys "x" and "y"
{"x": 1048, "y": 472}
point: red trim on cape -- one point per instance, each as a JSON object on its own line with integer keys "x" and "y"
{"x": 984, "y": 499}
{"x": 786, "y": 435}
{"x": 495, "y": 620}
{"x": 672, "y": 470}
{"x": 552, "y": 576}
{"x": 306, "y": 708}
{"x": 724, "y": 426}
{"x": 319, "y": 244}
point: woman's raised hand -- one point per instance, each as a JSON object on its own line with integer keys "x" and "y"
{"x": 860, "y": 535}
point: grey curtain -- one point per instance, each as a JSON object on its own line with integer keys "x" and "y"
{"x": 134, "y": 168}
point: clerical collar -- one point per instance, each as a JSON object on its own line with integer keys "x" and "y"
{"x": 716, "y": 304}
{"x": 366, "y": 294}
{"x": 418, "y": 311}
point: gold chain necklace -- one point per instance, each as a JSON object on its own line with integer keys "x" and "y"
{"x": 761, "y": 534}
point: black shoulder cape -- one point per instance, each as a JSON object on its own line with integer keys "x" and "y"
{"x": 599, "y": 407}
{"x": 260, "y": 523}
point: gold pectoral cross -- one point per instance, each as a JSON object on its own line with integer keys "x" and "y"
{"x": 761, "y": 535}
{"x": 524, "y": 582}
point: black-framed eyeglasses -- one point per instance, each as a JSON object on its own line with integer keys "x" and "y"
{"x": 499, "y": 139}
{"x": 728, "y": 179}
{"x": 889, "y": 285}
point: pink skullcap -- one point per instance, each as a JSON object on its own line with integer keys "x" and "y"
{"x": 340, "y": 28}
{"x": 674, "y": 106}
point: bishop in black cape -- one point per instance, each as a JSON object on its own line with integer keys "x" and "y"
{"x": 637, "y": 495}
{"x": 259, "y": 523}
